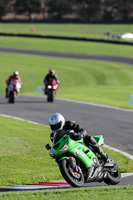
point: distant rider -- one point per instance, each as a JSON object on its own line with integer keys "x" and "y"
{"x": 14, "y": 76}
{"x": 57, "y": 122}
{"x": 51, "y": 76}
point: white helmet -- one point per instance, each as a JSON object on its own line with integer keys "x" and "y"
{"x": 56, "y": 122}
{"x": 15, "y": 73}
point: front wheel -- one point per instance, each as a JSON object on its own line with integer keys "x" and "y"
{"x": 114, "y": 174}
{"x": 50, "y": 96}
{"x": 73, "y": 177}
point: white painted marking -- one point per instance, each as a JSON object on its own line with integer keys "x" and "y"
{"x": 124, "y": 175}
{"x": 29, "y": 187}
{"x": 117, "y": 150}
{"x": 94, "y": 104}
{"x": 87, "y": 103}
{"x": 21, "y": 119}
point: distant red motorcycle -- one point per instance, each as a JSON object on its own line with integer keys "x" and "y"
{"x": 51, "y": 90}
{"x": 13, "y": 90}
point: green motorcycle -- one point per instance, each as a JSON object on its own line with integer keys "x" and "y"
{"x": 79, "y": 164}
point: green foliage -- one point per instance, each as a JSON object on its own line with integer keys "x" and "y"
{"x": 89, "y": 10}
{"x": 3, "y": 7}
{"x": 29, "y": 6}
{"x": 57, "y": 9}
{"x": 86, "y": 10}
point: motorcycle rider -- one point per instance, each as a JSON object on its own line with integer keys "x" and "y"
{"x": 51, "y": 76}
{"x": 14, "y": 76}
{"x": 57, "y": 122}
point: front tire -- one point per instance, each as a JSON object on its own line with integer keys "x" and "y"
{"x": 75, "y": 179}
{"x": 114, "y": 176}
{"x": 50, "y": 96}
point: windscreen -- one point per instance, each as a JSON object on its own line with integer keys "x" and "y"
{"x": 58, "y": 135}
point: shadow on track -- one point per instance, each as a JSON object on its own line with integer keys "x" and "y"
{"x": 17, "y": 102}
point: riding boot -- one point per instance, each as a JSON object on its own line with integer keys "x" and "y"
{"x": 102, "y": 154}
{"x": 93, "y": 143}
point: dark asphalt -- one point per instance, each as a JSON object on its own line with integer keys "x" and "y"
{"x": 115, "y": 125}
{"x": 69, "y": 55}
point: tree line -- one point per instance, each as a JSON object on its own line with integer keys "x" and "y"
{"x": 80, "y": 10}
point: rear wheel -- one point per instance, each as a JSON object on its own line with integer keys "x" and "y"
{"x": 74, "y": 177}
{"x": 11, "y": 98}
{"x": 114, "y": 174}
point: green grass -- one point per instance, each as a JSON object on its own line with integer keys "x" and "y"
{"x": 91, "y": 81}
{"x": 67, "y": 46}
{"x": 24, "y": 159}
{"x": 101, "y": 193}
{"x": 75, "y": 30}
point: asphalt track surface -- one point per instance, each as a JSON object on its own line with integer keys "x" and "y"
{"x": 115, "y": 124}
{"x": 120, "y": 59}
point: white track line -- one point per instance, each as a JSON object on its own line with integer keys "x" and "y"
{"x": 87, "y": 103}
{"x": 124, "y": 175}
{"x": 97, "y": 105}
{"x": 21, "y": 119}
{"x": 117, "y": 150}
{"x": 109, "y": 147}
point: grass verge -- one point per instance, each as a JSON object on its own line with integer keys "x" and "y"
{"x": 73, "y": 30}
{"x": 91, "y": 81}
{"x": 67, "y": 46}
{"x": 101, "y": 193}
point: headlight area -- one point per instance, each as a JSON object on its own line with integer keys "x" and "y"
{"x": 49, "y": 86}
{"x": 52, "y": 154}
{"x": 64, "y": 147}
{"x": 55, "y": 87}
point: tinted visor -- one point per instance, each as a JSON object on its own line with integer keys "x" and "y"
{"x": 56, "y": 126}
{"x": 51, "y": 73}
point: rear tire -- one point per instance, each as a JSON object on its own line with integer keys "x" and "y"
{"x": 113, "y": 177}
{"x": 11, "y": 97}
{"x": 75, "y": 179}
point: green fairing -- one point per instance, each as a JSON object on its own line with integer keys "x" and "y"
{"x": 99, "y": 139}
{"x": 74, "y": 148}
{"x": 78, "y": 164}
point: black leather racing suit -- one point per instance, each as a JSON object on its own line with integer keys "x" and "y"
{"x": 88, "y": 140}
{"x": 49, "y": 78}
